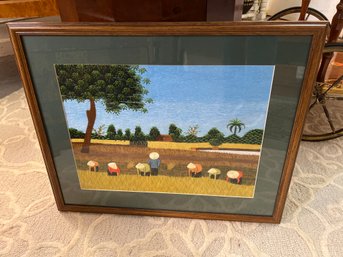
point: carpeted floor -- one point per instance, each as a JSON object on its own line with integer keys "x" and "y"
{"x": 30, "y": 224}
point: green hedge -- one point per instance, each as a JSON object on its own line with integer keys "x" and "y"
{"x": 253, "y": 137}
{"x": 74, "y": 133}
{"x": 232, "y": 139}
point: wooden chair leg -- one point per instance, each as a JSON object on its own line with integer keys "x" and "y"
{"x": 304, "y": 8}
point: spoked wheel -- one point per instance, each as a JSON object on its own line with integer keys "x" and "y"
{"x": 293, "y": 13}
{"x": 325, "y": 117}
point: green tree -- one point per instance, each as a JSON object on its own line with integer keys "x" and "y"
{"x": 217, "y": 141}
{"x": 215, "y": 133}
{"x": 235, "y": 125}
{"x": 128, "y": 134}
{"x": 119, "y": 135}
{"x": 74, "y": 133}
{"x": 118, "y": 87}
{"x": 111, "y": 132}
{"x": 174, "y": 131}
{"x": 154, "y": 133}
{"x": 189, "y": 139}
{"x": 138, "y": 135}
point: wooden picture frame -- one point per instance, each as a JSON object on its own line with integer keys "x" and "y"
{"x": 293, "y": 49}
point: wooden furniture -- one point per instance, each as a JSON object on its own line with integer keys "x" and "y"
{"x": 304, "y": 6}
{"x": 336, "y": 29}
{"x": 149, "y": 10}
{"x": 337, "y": 23}
{"x": 27, "y": 8}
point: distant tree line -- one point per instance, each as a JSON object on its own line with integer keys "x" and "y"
{"x": 137, "y": 137}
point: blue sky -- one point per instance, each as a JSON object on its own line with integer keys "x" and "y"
{"x": 208, "y": 96}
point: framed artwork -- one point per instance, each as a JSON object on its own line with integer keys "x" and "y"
{"x": 196, "y": 120}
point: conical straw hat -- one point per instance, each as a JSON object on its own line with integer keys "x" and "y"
{"x": 232, "y": 174}
{"x": 91, "y": 163}
{"x": 139, "y": 166}
{"x": 191, "y": 166}
{"x": 214, "y": 171}
{"x": 154, "y": 156}
{"x": 112, "y": 165}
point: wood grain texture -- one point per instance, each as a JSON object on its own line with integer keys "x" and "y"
{"x": 149, "y": 10}
{"x": 36, "y": 116}
{"x": 316, "y": 30}
{"x": 27, "y": 8}
{"x": 298, "y": 125}
{"x": 168, "y": 28}
{"x": 304, "y": 7}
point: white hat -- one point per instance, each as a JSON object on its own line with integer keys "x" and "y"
{"x": 112, "y": 165}
{"x": 214, "y": 171}
{"x": 191, "y": 166}
{"x": 139, "y": 166}
{"x": 154, "y": 156}
{"x": 232, "y": 174}
{"x": 91, "y": 163}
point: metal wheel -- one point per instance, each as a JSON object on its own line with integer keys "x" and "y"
{"x": 293, "y": 13}
{"x": 325, "y": 117}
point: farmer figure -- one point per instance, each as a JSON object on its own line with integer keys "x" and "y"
{"x": 113, "y": 169}
{"x": 154, "y": 163}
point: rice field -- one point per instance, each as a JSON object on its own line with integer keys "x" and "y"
{"x": 173, "y": 174}
{"x": 163, "y": 184}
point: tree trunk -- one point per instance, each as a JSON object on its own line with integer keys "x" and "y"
{"x": 91, "y": 115}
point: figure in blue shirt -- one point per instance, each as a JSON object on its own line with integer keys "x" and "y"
{"x": 154, "y": 163}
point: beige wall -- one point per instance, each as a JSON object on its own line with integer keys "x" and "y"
{"x": 327, "y": 7}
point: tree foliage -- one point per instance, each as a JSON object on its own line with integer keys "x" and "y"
{"x": 214, "y": 133}
{"x": 253, "y": 136}
{"x": 233, "y": 139}
{"x": 138, "y": 135}
{"x": 216, "y": 141}
{"x": 128, "y": 134}
{"x": 118, "y": 87}
{"x": 235, "y": 125}
{"x": 154, "y": 133}
{"x": 174, "y": 131}
{"x": 74, "y": 133}
{"x": 139, "y": 138}
{"x": 120, "y": 135}
{"x": 111, "y": 132}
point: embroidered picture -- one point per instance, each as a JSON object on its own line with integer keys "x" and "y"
{"x": 176, "y": 129}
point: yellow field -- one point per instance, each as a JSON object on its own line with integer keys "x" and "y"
{"x": 174, "y": 145}
{"x": 190, "y": 146}
{"x": 163, "y": 184}
{"x": 102, "y": 141}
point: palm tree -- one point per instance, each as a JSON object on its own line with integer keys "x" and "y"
{"x": 235, "y": 125}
